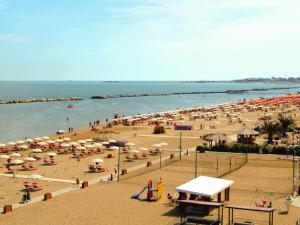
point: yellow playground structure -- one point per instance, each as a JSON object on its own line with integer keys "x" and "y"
{"x": 154, "y": 190}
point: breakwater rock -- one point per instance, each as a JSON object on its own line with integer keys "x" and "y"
{"x": 126, "y": 96}
{"x": 20, "y": 101}
{"x": 238, "y": 91}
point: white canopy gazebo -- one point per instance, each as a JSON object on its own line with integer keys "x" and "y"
{"x": 207, "y": 187}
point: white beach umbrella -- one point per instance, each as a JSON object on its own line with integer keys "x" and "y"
{"x": 58, "y": 140}
{"x": 143, "y": 149}
{"x": 89, "y": 140}
{"x": 29, "y": 140}
{"x": 2, "y": 145}
{"x": 23, "y": 147}
{"x": 16, "y": 161}
{"x": 89, "y": 146}
{"x": 20, "y": 142}
{"x": 157, "y": 145}
{"x": 50, "y": 142}
{"x": 112, "y": 141}
{"x": 98, "y": 145}
{"x": 163, "y": 144}
{"x": 15, "y": 154}
{"x": 52, "y": 154}
{"x": 113, "y": 148}
{"x": 37, "y": 150}
{"x": 30, "y": 159}
{"x": 135, "y": 151}
{"x": 45, "y": 138}
{"x": 80, "y": 148}
{"x": 105, "y": 143}
{"x": 41, "y": 143}
{"x": 35, "y": 176}
{"x": 4, "y": 156}
{"x": 11, "y": 143}
{"x": 130, "y": 144}
{"x": 81, "y": 141}
{"x": 67, "y": 139}
{"x": 97, "y": 161}
{"x": 64, "y": 145}
{"x": 37, "y": 139}
{"x": 73, "y": 143}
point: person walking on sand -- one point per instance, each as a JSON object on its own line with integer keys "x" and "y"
{"x": 24, "y": 198}
{"x": 28, "y": 197}
{"x": 77, "y": 181}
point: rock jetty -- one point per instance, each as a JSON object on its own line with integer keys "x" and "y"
{"x": 126, "y": 96}
{"x": 238, "y": 91}
{"x": 20, "y": 101}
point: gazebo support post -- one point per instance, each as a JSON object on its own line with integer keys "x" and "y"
{"x": 227, "y": 191}
{"x": 220, "y": 197}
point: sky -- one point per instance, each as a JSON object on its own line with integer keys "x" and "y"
{"x": 148, "y": 39}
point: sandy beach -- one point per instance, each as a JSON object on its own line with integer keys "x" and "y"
{"x": 103, "y": 202}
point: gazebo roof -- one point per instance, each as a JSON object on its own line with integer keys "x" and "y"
{"x": 205, "y": 186}
{"x": 217, "y": 137}
{"x": 246, "y": 131}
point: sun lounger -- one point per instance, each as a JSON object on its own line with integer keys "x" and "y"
{"x": 109, "y": 155}
{"x": 36, "y": 187}
{"x": 128, "y": 159}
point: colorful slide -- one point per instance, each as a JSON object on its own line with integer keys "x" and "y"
{"x": 137, "y": 196}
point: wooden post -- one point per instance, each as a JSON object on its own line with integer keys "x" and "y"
{"x": 119, "y": 152}
{"x": 149, "y": 163}
{"x": 124, "y": 172}
{"x": 227, "y": 191}
{"x": 7, "y": 209}
{"x": 220, "y": 197}
{"x": 47, "y": 196}
{"x": 180, "y": 145}
{"x": 85, "y": 184}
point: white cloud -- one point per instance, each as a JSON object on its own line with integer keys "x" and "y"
{"x": 193, "y": 25}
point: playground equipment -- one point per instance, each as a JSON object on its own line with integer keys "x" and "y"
{"x": 264, "y": 199}
{"x": 154, "y": 190}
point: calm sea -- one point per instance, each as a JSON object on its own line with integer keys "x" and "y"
{"x": 37, "y": 119}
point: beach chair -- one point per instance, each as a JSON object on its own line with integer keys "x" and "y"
{"x": 99, "y": 151}
{"x": 24, "y": 167}
{"x": 32, "y": 167}
{"x": 27, "y": 186}
{"x": 100, "y": 169}
{"x": 52, "y": 162}
{"x": 10, "y": 168}
{"x": 36, "y": 187}
{"x": 128, "y": 159}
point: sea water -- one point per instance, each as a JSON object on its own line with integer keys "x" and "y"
{"x": 18, "y": 121}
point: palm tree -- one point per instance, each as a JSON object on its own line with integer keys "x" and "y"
{"x": 286, "y": 123}
{"x": 270, "y": 128}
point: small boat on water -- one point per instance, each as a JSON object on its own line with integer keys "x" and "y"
{"x": 70, "y": 106}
